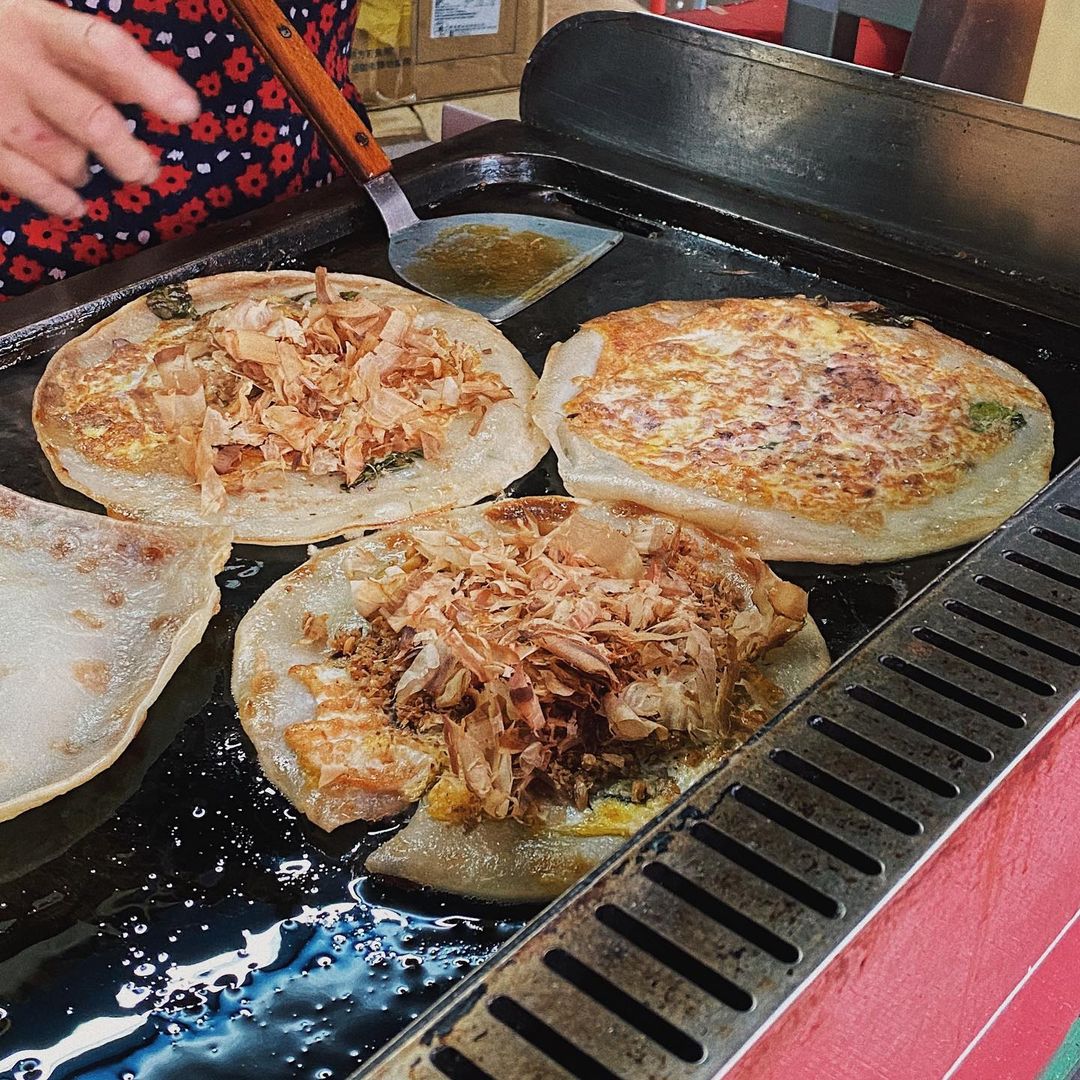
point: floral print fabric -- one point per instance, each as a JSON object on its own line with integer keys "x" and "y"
{"x": 249, "y": 146}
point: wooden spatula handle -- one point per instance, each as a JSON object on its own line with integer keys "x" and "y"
{"x": 311, "y": 88}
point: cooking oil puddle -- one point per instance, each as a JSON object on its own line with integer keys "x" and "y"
{"x": 849, "y": 603}
{"x": 310, "y": 995}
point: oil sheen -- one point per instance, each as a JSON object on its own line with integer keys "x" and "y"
{"x": 488, "y": 261}
{"x": 176, "y": 918}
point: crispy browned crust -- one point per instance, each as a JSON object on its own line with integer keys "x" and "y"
{"x": 874, "y": 524}
{"x": 306, "y": 508}
{"x": 500, "y": 860}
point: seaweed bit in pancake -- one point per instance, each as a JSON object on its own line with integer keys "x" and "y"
{"x": 289, "y": 406}
{"x": 817, "y": 431}
{"x": 543, "y": 675}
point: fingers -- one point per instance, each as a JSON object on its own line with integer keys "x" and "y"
{"x": 60, "y": 72}
{"x": 102, "y": 55}
{"x": 88, "y": 118}
{"x": 28, "y": 180}
{"x": 39, "y": 142}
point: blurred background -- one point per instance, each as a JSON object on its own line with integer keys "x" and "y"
{"x": 429, "y": 69}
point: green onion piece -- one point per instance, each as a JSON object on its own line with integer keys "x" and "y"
{"x": 987, "y": 416}
{"x": 172, "y": 302}
{"x": 391, "y": 463}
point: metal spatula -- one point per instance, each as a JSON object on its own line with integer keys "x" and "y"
{"x": 494, "y": 264}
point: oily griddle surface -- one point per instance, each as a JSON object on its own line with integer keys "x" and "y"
{"x": 174, "y": 917}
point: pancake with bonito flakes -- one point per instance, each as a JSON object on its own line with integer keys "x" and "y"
{"x": 541, "y": 675}
{"x": 820, "y": 432}
{"x": 288, "y": 406}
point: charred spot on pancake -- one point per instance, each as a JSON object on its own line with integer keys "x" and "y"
{"x": 49, "y": 397}
{"x": 263, "y": 681}
{"x": 115, "y": 598}
{"x": 544, "y": 511}
{"x": 143, "y": 551}
{"x": 62, "y": 546}
{"x": 91, "y": 675}
{"x": 92, "y": 622}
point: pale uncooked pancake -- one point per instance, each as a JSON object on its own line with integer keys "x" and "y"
{"x": 380, "y": 672}
{"x": 816, "y": 431}
{"x": 287, "y": 407}
{"x": 95, "y": 616}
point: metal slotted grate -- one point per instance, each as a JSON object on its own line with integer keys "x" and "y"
{"x": 671, "y": 958}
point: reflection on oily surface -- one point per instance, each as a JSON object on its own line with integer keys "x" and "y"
{"x": 174, "y": 917}
{"x": 487, "y": 261}
{"x": 259, "y": 987}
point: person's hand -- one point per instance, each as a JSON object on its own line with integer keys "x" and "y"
{"x": 60, "y": 72}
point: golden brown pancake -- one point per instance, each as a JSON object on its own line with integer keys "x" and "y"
{"x": 287, "y": 406}
{"x": 811, "y": 429}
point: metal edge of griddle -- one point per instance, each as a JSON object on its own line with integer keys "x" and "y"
{"x": 326, "y": 213}
{"x": 784, "y": 854}
{"x": 271, "y": 236}
{"x": 508, "y": 153}
{"x": 693, "y": 36}
{"x": 990, "y": 179}
{"x": 938, "y": 194}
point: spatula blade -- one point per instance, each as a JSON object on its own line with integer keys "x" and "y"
{"x": 495, "y": 264}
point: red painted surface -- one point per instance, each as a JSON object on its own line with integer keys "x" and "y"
{"x": 908, "y": 995}
{"x": 881, "y": 47}
{"x": 1039, "y": 1017}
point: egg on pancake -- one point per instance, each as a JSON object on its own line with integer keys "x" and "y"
{"x": 819, "y": 432}
{"x": 539, "y": 676}
{"x": 287, "y": 406}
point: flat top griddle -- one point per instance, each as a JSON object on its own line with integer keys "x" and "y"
{"x": 175, "y": 917}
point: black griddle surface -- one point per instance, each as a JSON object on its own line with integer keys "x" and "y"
{"x": 174, "y": 918}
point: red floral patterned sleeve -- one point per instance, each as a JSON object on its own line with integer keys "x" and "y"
{"x": 249, "y": 146}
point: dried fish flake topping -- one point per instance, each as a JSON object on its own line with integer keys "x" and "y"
{"x": 536, "y": 665}
{"x": 327, "y": 386}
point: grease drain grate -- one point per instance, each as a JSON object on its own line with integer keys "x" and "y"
{"x": 667, "y": 961}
